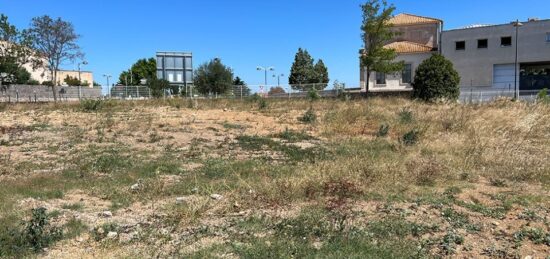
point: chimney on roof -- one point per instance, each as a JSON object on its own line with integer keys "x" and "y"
{"x": 533, "y": 19}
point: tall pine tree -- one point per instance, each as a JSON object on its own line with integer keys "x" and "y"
{"x": 304, "y": 73}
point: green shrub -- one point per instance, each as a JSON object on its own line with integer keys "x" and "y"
{"x": 32, "y": 82}
{"x": 47, "y": 83}
{"x": 254, "y": 98}
{"x": 383, "y": 130}
{"x": 313, "y": 95}
{"x": 410, "y": 138}
{"x": 309, "y": 116}
{"x": 262, "y": 105}
{"x": 436, "y": 79}
{"x": 91, "y": 105}
{"x": 406, "y": 116}
{"x": 542, "y": 96}
{"x": 38, "y": 232}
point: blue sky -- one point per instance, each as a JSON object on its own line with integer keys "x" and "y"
{"x": 244, "y": 33}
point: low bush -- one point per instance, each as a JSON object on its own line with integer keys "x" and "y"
{"x": 313, "y": 95}
{"x": 543, "y": 97}
{"x": 91, "y": 105}
{"x": 383, "y": 130}
{"x": 410, "y": 138}
{"x": 309, "y": 116}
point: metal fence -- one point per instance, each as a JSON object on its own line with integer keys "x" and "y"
{"x": 484, "y": 95}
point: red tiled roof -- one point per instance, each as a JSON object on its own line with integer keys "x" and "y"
{"x": 408, "y": 47}
{"x": 409, "y": 19}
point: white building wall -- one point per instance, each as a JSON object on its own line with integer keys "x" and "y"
{"x": 393, "y": 81}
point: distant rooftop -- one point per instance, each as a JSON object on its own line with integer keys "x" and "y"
{"x": 410, "y": 19}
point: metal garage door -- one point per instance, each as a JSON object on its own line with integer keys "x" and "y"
{"x": 503, "y": 76}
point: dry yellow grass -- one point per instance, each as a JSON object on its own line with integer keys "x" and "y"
{"x": 489, "y": 162}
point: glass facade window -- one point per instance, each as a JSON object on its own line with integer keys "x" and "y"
{"x": 179, "y": 76}
{"x": 380, "y": 78}
{"x": 170, "y": 76}
{"x": 548, "y": 37}
{"x": 188, "y": 63}
{"x": 179, "y": 63}
{"x": 406, "y": 74}
{"x": 189, "y": 76}
{"x": 160, "y": 75}
{"x": 169, "y": 62}
{"x": 159, "y": 62}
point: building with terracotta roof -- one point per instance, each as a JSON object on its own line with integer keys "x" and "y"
{"x": 417, "y": 39}
{"x": 483, "y": 55}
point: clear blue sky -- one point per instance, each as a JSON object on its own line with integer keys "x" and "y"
{"x": 244, "y": 33}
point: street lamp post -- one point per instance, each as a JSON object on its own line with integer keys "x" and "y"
{"x": 108, "y": 87}
{"x": 517, "y": 24}
{"x": 265, "y": 69}
{"x": 279, "y": 79}
{"x": 80, "y": 79}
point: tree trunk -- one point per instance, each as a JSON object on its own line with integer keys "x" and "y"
{"x": 54, "y": 82}
{"x": 367, "y": 83}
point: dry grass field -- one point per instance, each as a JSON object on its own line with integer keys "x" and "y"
{"x": 383, "y": 178}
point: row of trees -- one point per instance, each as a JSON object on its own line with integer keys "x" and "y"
{"x": 46, "y": 44}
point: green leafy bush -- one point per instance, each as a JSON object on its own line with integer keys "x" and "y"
{"x": 309, "y": 116}
{"x": 91, "y": 105}
{"x": 542, "y": 96}
{"x": 436, "y": 79}
{"x": 38, "y": 232}
{"x": 262, "y": 105}
{"x": 32, "y": 82}
{"x": 410, "y": 138}
{"x": 313, "y": 95}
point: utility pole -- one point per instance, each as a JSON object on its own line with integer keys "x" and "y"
{"x": 517, "y": 24}
{"x": 80, "y": 80}
{"x": 108, "y": 86}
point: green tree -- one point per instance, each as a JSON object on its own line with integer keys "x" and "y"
{"x": 56, "y": 41}
{"x": 321, "y": 72}
{"x": 158, "y": 87}
{"x": 304, "y": 73}
{"x": 22, "y": 76}
{"x": 213, "y": 77}
{"x": 240, "y": 88}
{"x": 376, "y": 33}
{"x": 142, "y": 69}
{"x": 15, "y": 51}
{"x": 435, "y": 79}
{"x": 72, "y": 81}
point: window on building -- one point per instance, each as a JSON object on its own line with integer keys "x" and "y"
{"x": 460, "y": 45}
{"x": 482, "y": 44}
{"x": 169, "y": 62}
{"x": 170, "y": 76}
{"x": 159, "y": 62}
{"x": 179, "y": 76}
{"x": 506, "y": 41}
{"x": 188, "y": 63}
{"x": 548, "y": 37}
{"x": 159, "y": 74}
{"x": 179, "y": 63}
{"x": 406, "y": 74}
{"x": 380, "y": 78}
{"x": 188, "y": 76}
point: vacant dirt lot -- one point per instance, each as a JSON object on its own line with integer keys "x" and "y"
{"x": 384, "y": 178}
